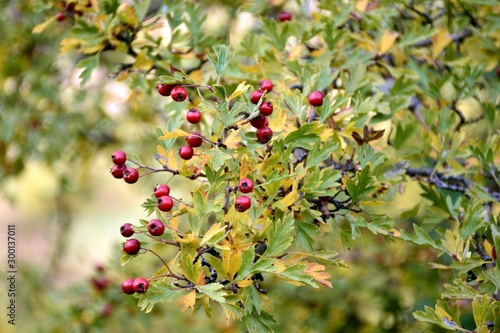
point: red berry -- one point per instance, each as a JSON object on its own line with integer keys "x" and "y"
{"x": 178, "y": 93}
{"x": 128, "y": 286}
{"x": 245, "y": 185}
{"x": 186, "y": 152}
{"x": 265, "y": 85}
{"x": 156, "y": 227}
{"x": 140, "y": 285}
{"x": 127, "y": 230}
{"x": 194, "y": 139}
{"x": 60, "y": 16}
{"x": 498, "y": 71}
{"x": 255, "y": 96}
{"x": 132, "y": 246}
{"x": 193, "y": 116}
{"x": 117, "y": 171}
{"x": 242, "y": 203}
{"x": 130, "y": 175}
{"x": 119, "y": 157}
{"x": 494, "y": 253}
{"x": 165, "y": 89}
{"x": 161, "y": 190}
{"x": 259, "y": 121}
{"x": 100, "y": 283}
{"x": 165, "y": 203}
{"x": 106, "y": 310}
{"x": 264, "y": 134}
{"x": 284, "y": 16}
{"x": 316, "y": 98}
{"x": 266, "y": 108}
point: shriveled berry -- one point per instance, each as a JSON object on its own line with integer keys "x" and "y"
{"x": 245, "y": 185}
{"x": 193, "y": 116}
{"x": 119, "y": 157}
{"x": 127, "y": 230}
{"x": 264, "y": 134}
{"x": 266, "y": 108}
{"x": 165, "y": 203}
{"x": 117, "y": 171}
{"x": 316, "y": 98}
{"x": 194, "y": 139}
{"x": 255, "y": 96}
{"x": 259, "y": 121}
{"x": 284, "y": 16}
{"x": 140, "y": 285}
{"x": 132, "y": 246}
{"x": 165, "y": 89}
{"x": 130, "y": 175}
{"x": 242, "y": 203}
{"x": 265, "y": 85}
{"x": 179, "y": 94}
{"x": 161, "y": 190}
{"x": 186, "y": 152}
{"x": 156, "y": 227}
{"x": 128, "y": 286}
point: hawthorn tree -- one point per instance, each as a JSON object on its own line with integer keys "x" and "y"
{"x": 296, "y": 135}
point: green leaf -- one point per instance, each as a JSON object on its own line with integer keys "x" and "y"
{"x": 88, "y": 64}
{"x": 223, "y": 56}
{"x": 280, "y": 235}
{"x": 361, "y": 185}
{"x": 321, "y": 152}
{"x": 459, "y": 290}
{"x": 493, "y": 274}
{"x": 473, "y": 219}
{"x": 252, "y": 300}
{"x": 420, "y": 238}
{"x": 259, "y": 322}
{"x": 481, "y": 310}
{"x": 157, "y": 292}
{"x": 296, "y": 273}
{"x": 303, "y": 137}
{"x": 214, "y": 291}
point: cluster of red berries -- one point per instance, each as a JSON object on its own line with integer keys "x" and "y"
{"x": 119, "y": 170}
{"x": 131, "y": 285}
{"x": 70, "y": 8}
{"x": 264, "y": 133}
{"x": 194, "y": 139}
{"x": 178, "y": 93}
{"x": 242, "y": 202}
{"x": 163, "y": 200}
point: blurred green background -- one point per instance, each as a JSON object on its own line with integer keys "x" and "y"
{"x": 56, "y": 139}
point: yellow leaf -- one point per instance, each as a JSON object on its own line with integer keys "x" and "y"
{"x": 171, "y": 161}
{"x": 318, "y": 273}
{"x": 174, "y": 223}
{"x": 214, "y": 230}
{"x": 231, "y": 261}
{"x": 42, "y": 26}
{"x": 196, "y": 75}
{"x": 290, "y": 198}
{"x": 440, "y": 41}
{"x": 233, "y": 140}
{"x": 245, "y": 283}
{"x": 142, "y": 62}
{"x": 244, "y": 167}
{"x": 68, "y": 44}
{"x": 279, "y": 121}
{"x": 187, "y": 301}
{"x": 362, "y": 5}
{"x": 388, "y": 38}
{"x": 175, "y": 134}
{"x": 126, "y": 14}
{"x": 326, "y": 134}
{"x": 242, "y": 87}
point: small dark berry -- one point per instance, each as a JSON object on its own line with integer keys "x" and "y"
{"x": 266, "y": 108}
{"x": 130, "y": 175}
{"x": 156, "y": 227}
{"x": 186, "y": 152}
{"x": 100, "y": 283}
{"x": 179, "y": 94}
{"x": 494, "y": 253}
{"x": 106, "y": 310}
{"x": 128, "y": 286}
{"x": 117, "y": 171}
{"x": 193, "y": 116}
{"x": 165, "y": 203}
{"x": 165, "y": 89}
{"x": 140, "y": 285}
{"x": 194, "y": 139}
{"x": 132, "y": 246}
{"x": 284, "y": 16}
{"x": 316, "y": 98}
{"x": 265, "y": 85}
{"x": 498, "y": 71}
{"x": 255, "y": 96}
{"x": 264, "y": 134}
{"x": 161, "y": 190}
{"x": 119, "y": 157}
{"x": 242, "y": 203}
{"x": 259, "y": 121}
{"x": 245, "y": 185}
{"x": 127, "y": 230}
{"x": 60, "y": 16}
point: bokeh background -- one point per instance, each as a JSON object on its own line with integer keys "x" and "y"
{"x": 56, "y": 139}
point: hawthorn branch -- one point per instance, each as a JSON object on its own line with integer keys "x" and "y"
{"x": 456, "y": 37}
